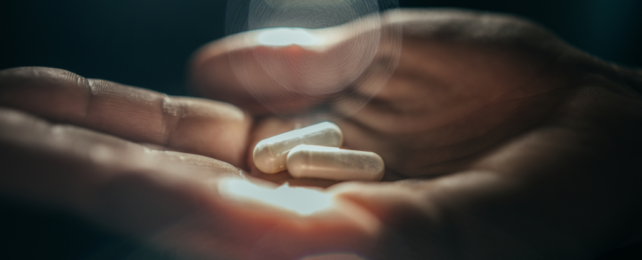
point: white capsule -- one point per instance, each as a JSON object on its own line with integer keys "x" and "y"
{"x": 311, "y": 161}
{"x": 270, "y": 154}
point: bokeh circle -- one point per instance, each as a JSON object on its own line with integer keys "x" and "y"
{"x": 325, "y": 57}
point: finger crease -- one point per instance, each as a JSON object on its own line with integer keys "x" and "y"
{"x": 173, "y": 112}
{"x": 87, "y": 83}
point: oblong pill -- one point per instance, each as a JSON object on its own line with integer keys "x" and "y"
{"x": 311, "y": 161}
{"x": 270, "y": 154}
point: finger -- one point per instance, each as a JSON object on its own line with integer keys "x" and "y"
{"x": 261, "y": 77}
{"x": 454, "y": 63}
{"x": 191, "y": 125}
{"x": 213, "y": 76}
{"x": 73, "y": 168}
{"x": 167, "y": 198}
{"x": 452, "y": 51}
{"x": 114, "y": 183}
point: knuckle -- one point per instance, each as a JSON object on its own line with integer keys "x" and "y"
{"x": 172, "y": 113}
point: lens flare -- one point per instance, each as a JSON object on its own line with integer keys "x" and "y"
{"x": 302, "y": 201}
{"x": 288, "y": 36}
{"x": 323, "y": 57}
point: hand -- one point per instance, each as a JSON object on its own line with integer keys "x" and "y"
{"x": 73, "y": 144}
{"x": 141, "y": 164}
{"x": 508, "y": 143}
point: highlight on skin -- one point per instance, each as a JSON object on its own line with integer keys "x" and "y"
{"x": 321, "y": 52}
{"x": 302, "y": 201}
{"x": 288, "y": 36}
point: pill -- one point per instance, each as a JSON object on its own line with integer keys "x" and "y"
{"x": 320, "y": 162}
{"x": 270, "y": 154}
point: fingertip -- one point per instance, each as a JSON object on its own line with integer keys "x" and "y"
{"x": 259, "y": 78}
{"x": 209, "y": 128}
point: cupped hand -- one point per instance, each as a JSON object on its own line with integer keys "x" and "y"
{"x": 504, "y": 142}
{"x": 149, "y": 166}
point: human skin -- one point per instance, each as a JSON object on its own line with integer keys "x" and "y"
{"x": 139, "y": 163}
{"x": 507, "y": 143}
{"x": 504, "y": 144}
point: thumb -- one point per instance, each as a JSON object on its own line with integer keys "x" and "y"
{"x": 292, "y": 70}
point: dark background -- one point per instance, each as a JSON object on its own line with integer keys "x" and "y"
{"x": 148, "y": 43}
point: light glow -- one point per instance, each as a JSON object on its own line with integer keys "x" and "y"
{"x": 287, "y": 36}
{"x": 303, "y": 201}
